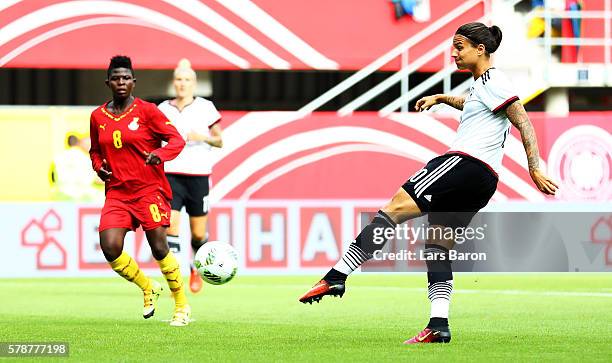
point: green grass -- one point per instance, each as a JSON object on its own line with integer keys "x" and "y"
{"x": 499, "y": 317}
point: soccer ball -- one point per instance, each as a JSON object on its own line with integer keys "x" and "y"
{"x": 217, "y": 262}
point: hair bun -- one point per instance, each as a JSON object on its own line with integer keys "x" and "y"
{"x": 497, "y": 34}
{"x": 184, "y": 63}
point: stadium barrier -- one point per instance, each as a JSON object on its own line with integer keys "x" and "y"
{"x": 287, "y": 189}
{"x": 305, "y": 236}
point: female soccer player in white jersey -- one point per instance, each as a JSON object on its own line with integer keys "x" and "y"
{"x": 197, "y": 120}
{"x": 458, "y": 183}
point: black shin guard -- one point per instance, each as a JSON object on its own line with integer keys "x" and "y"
{"x": 196, "y": 244}
{"x": 372, "y": 237}
{"x": 438, "y": 263}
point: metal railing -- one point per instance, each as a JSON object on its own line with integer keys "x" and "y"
{"x": 389, "y": 56}
{"x": 408, "y": 66}
{"x": 548, "y": 41}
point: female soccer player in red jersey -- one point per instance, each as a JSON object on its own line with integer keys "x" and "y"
{"x": 452, "y": 187}
{"x": 126, "y": 152}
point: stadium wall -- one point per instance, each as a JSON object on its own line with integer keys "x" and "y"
{"x": 272, "y": 155}
{"x": 287, "y": 190}
{"x": 293, "y": 237}
{"x": 259, "y": 34}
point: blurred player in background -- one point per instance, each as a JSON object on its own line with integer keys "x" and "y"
{"x": 126, "y": 152}
{"x": 452, "y": 187}
{"x": 197, "y": 120}
{"x": 72, "y": 172}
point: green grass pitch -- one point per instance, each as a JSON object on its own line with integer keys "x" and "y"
{"x": 525, "y": 317}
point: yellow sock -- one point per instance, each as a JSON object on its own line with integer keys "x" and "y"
{"x": 127, "y": 268}
{"x": 170, "y": 268}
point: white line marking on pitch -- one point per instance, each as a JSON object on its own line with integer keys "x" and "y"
{"x": 458, "y": 291}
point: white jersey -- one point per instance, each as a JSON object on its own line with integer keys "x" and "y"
{"x": 484, "y": 126}
{"x": 199, "y": 116}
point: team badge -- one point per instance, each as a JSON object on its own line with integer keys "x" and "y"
{"x": 134, "y": 124}
{"x": 581, "y": 159}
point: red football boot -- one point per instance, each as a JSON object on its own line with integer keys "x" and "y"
{"x": 430, "y": 336}
{"x": 195, "y": 281}
{"x": 321, "y": 289}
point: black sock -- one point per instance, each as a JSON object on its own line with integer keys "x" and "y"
{"x": 335, "y": 276}
{"x": 196, "y": 244}
{"x": 369, "y": 240}
{"x": 438, "y": 323}
{"x": 372, "y": 236}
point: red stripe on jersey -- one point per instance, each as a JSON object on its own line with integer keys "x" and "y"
{"x": 186, "y": 174}
{"x": 214, "y": 123}
{"x": 506, "y": 103}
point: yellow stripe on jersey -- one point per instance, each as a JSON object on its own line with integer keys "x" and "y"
{"x": 109, "y": 115}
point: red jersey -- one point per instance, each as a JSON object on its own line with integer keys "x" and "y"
{"x": 121, "y": 140}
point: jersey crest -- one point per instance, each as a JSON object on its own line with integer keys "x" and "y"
{"x": 134, "y": 124}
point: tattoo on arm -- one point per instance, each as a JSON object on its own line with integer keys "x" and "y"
{"x": 518, "y": 117}
{"x": 453, "y": 101}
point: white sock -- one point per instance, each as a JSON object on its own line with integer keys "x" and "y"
{"x": 351, "y": 260}
{"x": 439, "y": 295}
{"x": 174, "y": 243}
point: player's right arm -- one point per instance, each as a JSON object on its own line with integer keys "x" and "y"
{"x": 99, "y": 164}
{"x": 425, "y": 103}
{"x": 166, "y": 131}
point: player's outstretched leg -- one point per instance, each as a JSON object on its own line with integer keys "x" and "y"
{"x": 401, "y": 208}
{"x": 360, "y": 250}
{"x": 195, "y": 281}
{"x": 440, "y": 287}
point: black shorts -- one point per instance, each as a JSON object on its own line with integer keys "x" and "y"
{"x": 190, "y": 191}
{"x": 451, "y": 188}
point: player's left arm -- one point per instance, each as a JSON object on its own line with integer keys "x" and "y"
{"x": 163, "y": 128}
{"x": 213, "y": 118}
{"x": 215, "y": 139}
{"x": 518, "y": 117}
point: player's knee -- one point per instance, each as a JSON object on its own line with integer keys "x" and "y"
{"x": 394, "y": 206}
{"x": 111, "y": 250}
{"x": 401, "y": 207}
{"x": 159, "y": 248}
{"x": 173, "y": 229}
{"x": 439, "y": 237}
{"x": 198, "y": 236}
